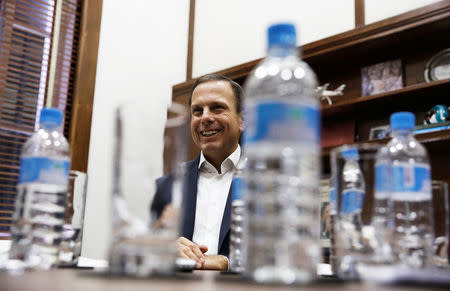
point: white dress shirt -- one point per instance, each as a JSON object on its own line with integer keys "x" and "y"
{"x": 212, "y": 194}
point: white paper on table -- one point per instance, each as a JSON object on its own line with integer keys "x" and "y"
{"x": 94, "y": 263}
{"x": 5, "y": 245}
{"x": 324, "y": 270}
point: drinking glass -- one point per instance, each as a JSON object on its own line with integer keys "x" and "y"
{"x": 140, "y": 246}
{"x": 441, "y": 223}
{"x": 72, "y": 234}
{"x": 362, "y": 233}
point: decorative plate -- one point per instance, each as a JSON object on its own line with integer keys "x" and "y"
{"x": 438, "y": 67}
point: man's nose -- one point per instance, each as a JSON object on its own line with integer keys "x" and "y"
{"x": 207, "y": 116}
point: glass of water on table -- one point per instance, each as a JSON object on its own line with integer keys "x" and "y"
{"x": 72, "y": 234}
{"x": 362, "y": 233}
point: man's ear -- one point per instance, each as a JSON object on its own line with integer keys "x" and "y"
{"x": 241, "y": 123}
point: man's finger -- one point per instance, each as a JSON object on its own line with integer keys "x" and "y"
{"x": 183, "y": 240}
{"x": 192, "y": 246}
{"x": 182, "y": 254}
{"x": 186, "y": 252}
{"x": 197, "y": 252}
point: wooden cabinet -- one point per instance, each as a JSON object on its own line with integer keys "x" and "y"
{"x": 413, "y": 37}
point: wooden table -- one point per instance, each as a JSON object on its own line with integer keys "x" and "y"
{"x": 86, "y": 280}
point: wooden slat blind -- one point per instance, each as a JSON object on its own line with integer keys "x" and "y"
{"x": 26, "y": 28}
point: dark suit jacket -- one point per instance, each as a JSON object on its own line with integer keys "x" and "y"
{"x": 163, "y": 196}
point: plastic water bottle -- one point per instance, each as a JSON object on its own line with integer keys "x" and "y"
{"x": 411, "y": 194}
{"x": 282, "y": 175}
{"x": 238, "y": 246}
{"x": 382, "y": 208}
{"x": 350, "y": 222}
{"x": 332, "y": 218}
{"x": 41, "y": 197}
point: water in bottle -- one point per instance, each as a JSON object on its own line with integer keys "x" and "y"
{"x": 41, "y": 194}
{"x": 332, "y": 218}
{"x": 238, "y": 245}
{"x": 382, "y": 209}
{"x": 411, "y": 194}
{"x": 350, "y": 222}
{"x": 282, "y": 144}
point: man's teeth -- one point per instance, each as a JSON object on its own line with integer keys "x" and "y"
{"x": 209, "y": 132}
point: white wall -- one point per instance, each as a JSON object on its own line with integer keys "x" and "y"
{"x": 232, "y": 32}
{"x": 142, "y": 53}
{"x": 380, "y": 9}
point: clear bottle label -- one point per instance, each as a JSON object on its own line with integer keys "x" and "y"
{"x": 381, "y": 177}
{"x": 44, "y": 170}
{"x": 333, "y": 209}
{"x": 381, "y": 181}
{"x": 281, "y": 121}
{"x": 237, "y": 186}
{"x": 411, "y": 180}
{"x": 352, "y": 201}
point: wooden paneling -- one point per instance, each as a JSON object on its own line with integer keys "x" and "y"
{"x": 80, "y": 130}
{"x": 190, "y": 52}
{"x": 360, "y": 15}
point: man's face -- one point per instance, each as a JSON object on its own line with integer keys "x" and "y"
{"x": 215, "y": 124}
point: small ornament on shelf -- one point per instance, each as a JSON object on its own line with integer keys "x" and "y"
{"x": 382, "y": 77}
{"x": 324, "y": 94}
{"x": 380, "y": 132}
{"x": 438, "y": 113}
{"x": 438, "y": 67}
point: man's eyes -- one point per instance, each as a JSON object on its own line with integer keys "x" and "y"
{"x": 199, "y": 110}
{"x": 218, "y": 107}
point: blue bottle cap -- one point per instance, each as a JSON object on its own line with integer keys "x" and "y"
{"x": 282, "y": 34}
{"x": 402, "y": 120}
{"x": 350, "y": 153}
{"x": 51, "y": 117}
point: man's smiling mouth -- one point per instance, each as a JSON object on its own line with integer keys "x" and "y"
{"x": 208, "y": 133}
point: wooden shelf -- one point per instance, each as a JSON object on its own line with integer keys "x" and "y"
{"x": 413, "y": 37}
{"x": 431, "y": 15}
{"x": 433, "y": 139}
{"x": 392, "y": 97}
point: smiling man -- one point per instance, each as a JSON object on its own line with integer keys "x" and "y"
{"x": 216, "y": 122}
{"x": 216, "y": 125}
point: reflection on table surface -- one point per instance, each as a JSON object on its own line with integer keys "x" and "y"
{"x": 73, "y": 279}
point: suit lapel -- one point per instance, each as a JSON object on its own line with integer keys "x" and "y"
{"x": 190, "y": 203}
{"x": 226, "y": 220}
{"x": 190, "y": 199}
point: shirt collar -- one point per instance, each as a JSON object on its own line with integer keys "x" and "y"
{"x": 233, "y": 159}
